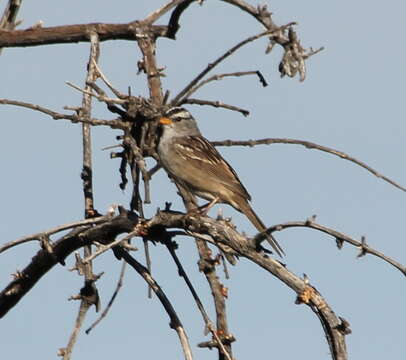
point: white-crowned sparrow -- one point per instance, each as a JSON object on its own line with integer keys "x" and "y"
{"x": 193, "y": 162}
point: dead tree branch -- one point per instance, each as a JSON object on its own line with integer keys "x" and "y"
{"x": 183, "y": 94}
{"x": 8, "y": 20}
{"x": 216, "y": 104}
{"x": 175, "y": 321}
{"x": 44, "y": 261}
{"x": 363, "y": 247}
{"x": 308, "y": 145}
{"x": 113, "y": 297}
{"x": 74, "y": 33}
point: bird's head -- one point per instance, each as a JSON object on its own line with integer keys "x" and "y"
{"x": 179, "y": 121}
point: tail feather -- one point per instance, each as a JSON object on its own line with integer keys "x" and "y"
{"x": 259, "y": 225}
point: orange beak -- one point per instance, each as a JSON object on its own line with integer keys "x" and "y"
{"x": 165, "y": 121}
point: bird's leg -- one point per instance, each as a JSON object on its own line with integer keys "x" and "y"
{"x": 204, "y": 209}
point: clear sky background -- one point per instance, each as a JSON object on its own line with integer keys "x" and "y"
{"x": 352, "y": 100}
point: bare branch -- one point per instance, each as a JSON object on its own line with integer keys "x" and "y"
{"x": 155, "y": 15}
{"x": 173, "y": 25}
{"x": 7, "y": 21}
{"x": 175, "y": 321}
{"x": 224, "y": 234}
{"x": 73, "y": 34}
{"x": 216, "y": 104}
{"x": 222, "y": 76}
{"x": 108, "y": 83}
{"x": 340, "y": 237}
{"x": 183, "y": 93}
{"x": 47, "y": 233}
{"x": 114, "y": 124}
{"x": 208, "y": 322}
{"x": 43, "y": 261}
{"x": 309, "y": 145}
{"x": 113, "y": 297}
{"x": 103, "y": 248}
{"x": 89, "y": 294}
{"x": 67, "y": 352}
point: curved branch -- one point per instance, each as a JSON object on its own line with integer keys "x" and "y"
{"x": 340, "y": 237}
{"x": 216, "y": 104}
{"x": 44, "y": 260}
{"x": 183, "y": 94}
{"x": 309, "y": 145}
{"x": 114, "y": 124}
{"x": 47, "y": 233}
{"x": 222, "y": 76}
{"x": 222, "y": 233}
{"x": 175, "y": 321}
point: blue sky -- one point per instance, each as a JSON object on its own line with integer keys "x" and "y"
{"x": 352, "y": 100}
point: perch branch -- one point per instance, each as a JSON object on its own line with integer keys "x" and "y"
{"x": 223, "y": 233}
{"x": 309, "y": 145}
{"x": 44, "y": 261}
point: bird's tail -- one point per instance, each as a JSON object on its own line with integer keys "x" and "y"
{"x": 259, "y": 225}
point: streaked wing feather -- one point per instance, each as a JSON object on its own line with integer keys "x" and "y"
{"x": 197, "y": 149}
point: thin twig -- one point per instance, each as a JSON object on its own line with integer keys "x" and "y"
{"x": 222, "y": 76}
{"x": 149, "y": 264}
{"x": 175, "y": 321}
{"x": 108, "y": 83}
{"x": 113, "y": 297}
{"x": 103, "y": 248}
{"x": 47, "y": 233}
{"x": 115, "y": 124}
{"x": 139, "y": 159}
{"x": 183, "y": 93}
{"x": 86, "y": 175}
{"x": 98, "y": 97}
{"x": 156, "y": 14}
{"x": 340, "y": 237}
{"x": 309, "y": 145}
{"x": 173, "y": 25}
{"x": 67, "y": 352}
{"x": 7, "y": 21}
{"x": 199, "y": 304}
{"x": 216, "y": 104}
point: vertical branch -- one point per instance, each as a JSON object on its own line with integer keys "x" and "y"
{"x": 85, "y": 114}
{"x": 207, "y": 266}
{"x": 146, "y": 42}
{"x": 8, "y": 19}
{"x": 88, "y": 294}
{"x": 175, "y": 321}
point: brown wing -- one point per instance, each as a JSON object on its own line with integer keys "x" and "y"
{"x": 199, "y": 152}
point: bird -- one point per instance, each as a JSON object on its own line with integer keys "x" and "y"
{"x": 193, "y": 162}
